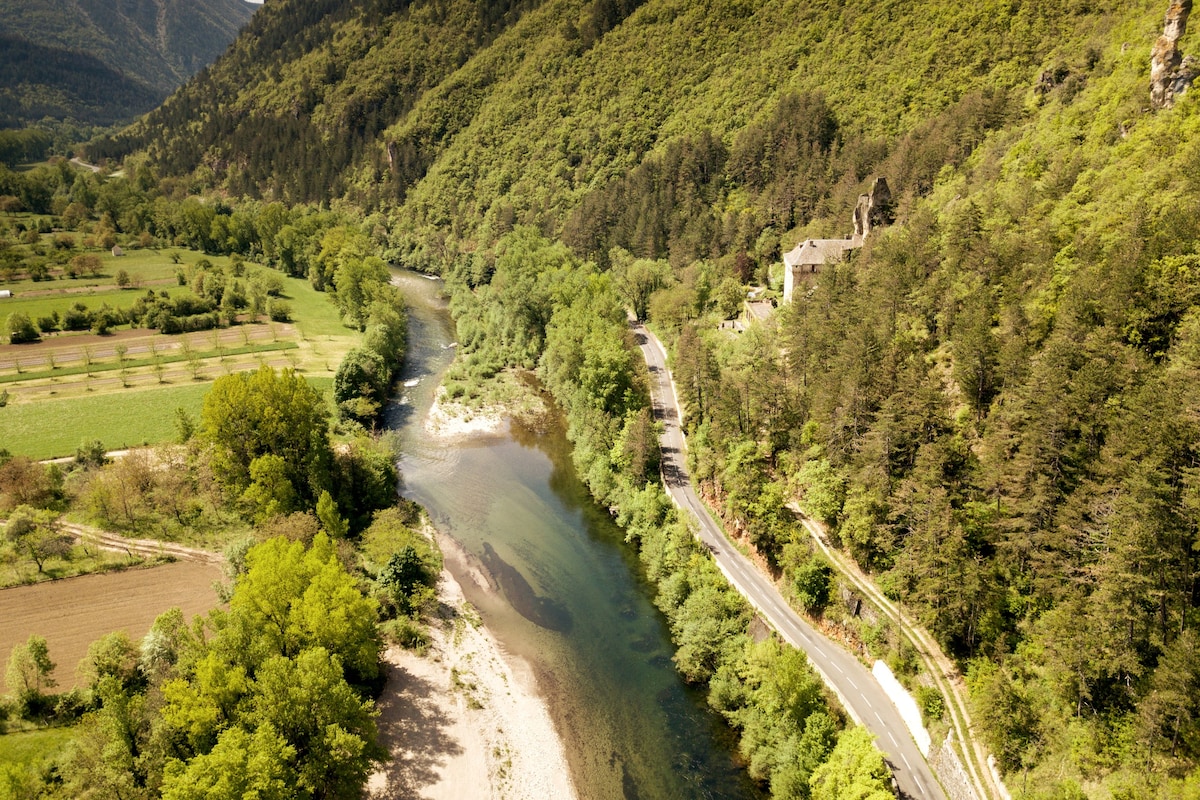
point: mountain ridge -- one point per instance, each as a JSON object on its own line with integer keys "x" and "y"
{"x": 145, "y": 51}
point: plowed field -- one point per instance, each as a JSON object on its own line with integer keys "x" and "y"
{"x": 73, "y": 613}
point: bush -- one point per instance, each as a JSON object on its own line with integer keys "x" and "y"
{"x": 933, "y": 707}
{"x": 279, "y": 311}
{"x": 811, "y": 581}
{"x": 406, "y": 633}
{"x": 70, "y": 706}
{"x": 21, "y": 329}
{"x": 77, "y": 318}
{"x": 91, "y": 454}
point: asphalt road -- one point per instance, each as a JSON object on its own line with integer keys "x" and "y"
{"x": 860, "y": 693}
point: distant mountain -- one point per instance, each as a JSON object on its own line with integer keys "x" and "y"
{"x": 103, "y": 60}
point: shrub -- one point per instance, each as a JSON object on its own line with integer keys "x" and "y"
{"x": 406, "y": 633}
{"x": 279, "y": 311}
{"x": 933, "y": 707}
{"x": 812, "y": 581}
{"x": 77, "y": 318}
{"x": 91, "y": 454}
{"x": 21, "y": 329}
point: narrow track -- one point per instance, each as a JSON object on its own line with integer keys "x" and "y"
{"x": 150, "y": 548}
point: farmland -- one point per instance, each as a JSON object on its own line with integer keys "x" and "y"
{"x": 73, "y": 613}
{"x": 122, "y": 386}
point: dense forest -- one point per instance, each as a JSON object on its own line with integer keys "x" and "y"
{"x": 103, "y": 62}
{"x": 992, "y": 405}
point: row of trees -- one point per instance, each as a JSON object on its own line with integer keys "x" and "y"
{"x": 22, "y": 146}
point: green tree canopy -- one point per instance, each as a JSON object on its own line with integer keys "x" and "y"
{"x": 854, "y": 771}
{"x": 253, "y": 414}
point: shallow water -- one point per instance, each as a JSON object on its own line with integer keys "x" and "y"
{"x": 566, "y": 592}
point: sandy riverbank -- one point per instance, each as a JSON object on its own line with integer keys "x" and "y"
{"x": 449, "y": 419}
{"x": 465, "y": 721}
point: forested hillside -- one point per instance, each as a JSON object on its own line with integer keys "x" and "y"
{"x": 993, "y": 405}
{"x": 100, "y": 61}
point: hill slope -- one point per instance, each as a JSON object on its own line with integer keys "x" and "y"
{"x": 103, "y": 61}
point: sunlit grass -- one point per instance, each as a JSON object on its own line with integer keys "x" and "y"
{"x": 29, "y": 747}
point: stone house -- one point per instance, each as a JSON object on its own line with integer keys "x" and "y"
{"x": 807, "y": 258}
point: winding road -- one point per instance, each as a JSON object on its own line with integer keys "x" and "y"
{"x": 859, "y": 691}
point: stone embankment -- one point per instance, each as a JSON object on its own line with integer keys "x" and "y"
{"x": 946, "y": 677}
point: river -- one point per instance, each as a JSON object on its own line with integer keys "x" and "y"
{"x": 572, "y": 598}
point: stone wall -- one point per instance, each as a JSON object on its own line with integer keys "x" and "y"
{"x": 949, "y": 769}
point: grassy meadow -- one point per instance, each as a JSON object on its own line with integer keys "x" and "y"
{"x": 29, "y": 747}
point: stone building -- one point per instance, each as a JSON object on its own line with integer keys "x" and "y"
{"x": 807, "y": 258}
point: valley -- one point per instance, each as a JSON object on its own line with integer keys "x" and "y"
{"x": 961, "y": 442}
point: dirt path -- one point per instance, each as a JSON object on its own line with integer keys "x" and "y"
{"x": 70, "y": 349}
{"x": 149, "y": 548}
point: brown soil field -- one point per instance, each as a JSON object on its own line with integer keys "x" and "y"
{"x": 73, "y": 613}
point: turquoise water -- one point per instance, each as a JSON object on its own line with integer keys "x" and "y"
{"x": 567, "y": 593}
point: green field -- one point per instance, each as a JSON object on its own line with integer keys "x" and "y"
{"x": 55, "y": 428}
{"x": 44, "y": 305}
{"x": 312, "y": 311}
{"x": 146, "y": 265}
{"x": 125, "y": 418}
{"x": 28, "y": 747}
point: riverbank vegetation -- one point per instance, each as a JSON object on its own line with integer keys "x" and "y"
{"x": 544, "y": 306}
{"x": 991, "y": 405}
{"x": 323, "y": 567}
{"x": 196, "y": 707}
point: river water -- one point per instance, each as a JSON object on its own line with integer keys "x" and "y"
{"x": 571, "y": 597}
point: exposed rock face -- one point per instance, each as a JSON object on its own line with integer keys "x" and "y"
{"x": 1170, "y": 72}
{"x": 873, "y": 209}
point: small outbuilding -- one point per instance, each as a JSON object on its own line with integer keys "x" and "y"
{"x": 117, "y": 251}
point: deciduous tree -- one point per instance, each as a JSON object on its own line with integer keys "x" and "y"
{"x": 249, "y": 415}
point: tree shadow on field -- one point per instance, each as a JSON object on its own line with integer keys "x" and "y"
{"x": 416, "y": 731}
